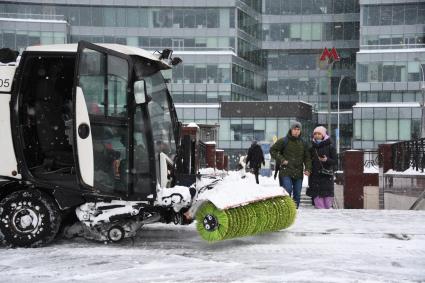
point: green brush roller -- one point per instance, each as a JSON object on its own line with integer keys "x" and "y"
{"x": 267, "y": 215}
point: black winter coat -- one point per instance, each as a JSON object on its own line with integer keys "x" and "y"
{"x": 255, "y": 156}
{"x": 322, "y": 185}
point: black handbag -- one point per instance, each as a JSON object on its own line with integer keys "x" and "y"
{"x": 324, "y": 171}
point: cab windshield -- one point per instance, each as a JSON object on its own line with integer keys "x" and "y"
{"x": 160, "y": 115}
{"x": 159, "y": 107}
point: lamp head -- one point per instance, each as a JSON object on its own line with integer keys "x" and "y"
{"x": 175, "y": 61}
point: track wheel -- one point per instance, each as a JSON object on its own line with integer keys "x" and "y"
{"x": 29, "y": 218}
{"x": 116, "y": 234}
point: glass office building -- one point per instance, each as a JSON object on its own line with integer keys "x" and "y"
{"x": 215, "y": 41}
{"x": 295, "y": 33}
{"x": 18, "y": 31}
{"x": 377, "y": 123}
{"x": 249, "y": 50}
{"x": 390, "y": 70}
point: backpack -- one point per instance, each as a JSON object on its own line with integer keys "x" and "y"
{"x": 277, "y": 168}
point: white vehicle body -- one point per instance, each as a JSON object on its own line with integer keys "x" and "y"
{"x": 8, "y": 164}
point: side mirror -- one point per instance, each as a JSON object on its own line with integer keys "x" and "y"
{"x": 140, "y": 91}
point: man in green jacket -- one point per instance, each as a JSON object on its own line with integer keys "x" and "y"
{"x": 293, "y": 155}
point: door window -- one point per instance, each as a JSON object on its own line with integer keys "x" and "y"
{"x": 117, "y": 86}
{"x": 143, "y": 179}
{"x": 104, "y": 81}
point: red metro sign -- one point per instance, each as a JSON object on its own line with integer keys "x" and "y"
{"x": 329, "y": 54}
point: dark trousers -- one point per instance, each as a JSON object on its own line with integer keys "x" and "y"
{"x": 256, "y": 172}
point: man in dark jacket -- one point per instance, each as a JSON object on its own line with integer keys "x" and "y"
{"x": 255, "y": 158}
{"x": 293, "y": 155}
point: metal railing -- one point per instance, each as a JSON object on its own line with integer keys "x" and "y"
{"x": 409, "y": 154}
{"x": 190, "y": 48}
{"x": 32, "y": 16}
{"x": 371, "y": 159}
{"x": 392, "y": 46}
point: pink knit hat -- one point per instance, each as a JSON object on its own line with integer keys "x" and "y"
{"x": 321, "y": 130}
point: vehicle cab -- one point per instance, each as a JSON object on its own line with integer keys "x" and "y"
{"x": 96, "y": 119}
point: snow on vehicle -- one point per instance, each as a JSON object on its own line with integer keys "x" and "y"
{"x": 91, "y": 130}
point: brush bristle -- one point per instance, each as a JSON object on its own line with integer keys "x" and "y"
{"x": 259, "y": 217}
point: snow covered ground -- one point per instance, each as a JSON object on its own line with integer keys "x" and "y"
{"x": 322, "y": 246}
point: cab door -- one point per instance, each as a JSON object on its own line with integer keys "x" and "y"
{"x": 101, "y": 132}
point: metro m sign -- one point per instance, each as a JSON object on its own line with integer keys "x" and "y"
{"x": 329, "y": 54}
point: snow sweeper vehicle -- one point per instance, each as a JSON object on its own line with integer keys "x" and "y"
{"x": 90, "y": 131}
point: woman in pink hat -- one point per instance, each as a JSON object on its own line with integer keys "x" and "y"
{"x": 324, "y": 158}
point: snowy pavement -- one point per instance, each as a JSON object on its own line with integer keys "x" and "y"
{"x": 322, "y": 246}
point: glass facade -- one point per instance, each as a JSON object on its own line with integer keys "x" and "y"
{"x": 310, "y": 7}
{"x": 249, "y": 24}
{"x": 391, "y": 96}
{"x": 393, "y": 41}
{"x": 155, "y": 42}
{"x": 393, "y": 26}
{"x": 254, "y": 4}
{"x": 391, "y": 71}
{"x": 248, "y": 79}
{"x": 251, "y": 50}
{"x": 112, "y": 18}
{"x": 375, "y": 124}
{"x": 293, "y": 46}
{"x": 202, "y": 73}
{"x": 306, "y": 60}
{"x": 220, "y": 47}
{"x": 394, "y": 14}
{"x": 19, "y": 39}
{"x": 292, "y": 32}
{"x": 390, "y": 74}
{"x": 104, "y": 16}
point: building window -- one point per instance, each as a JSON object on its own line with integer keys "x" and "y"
{"x": 212, "y": 18}
{"x": 357, "y": 129}
{"x": 392, "y": 132}
{"x": 367, "y": 129}
{"x": 388, "y": 72}
{"x": 396, "y": 14}
{"x": 379, "y": 130}
{"x": 411, "y": 14}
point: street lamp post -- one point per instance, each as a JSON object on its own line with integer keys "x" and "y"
{"x": 330, "y": 66}
{"x": 330, "y": 56}
{"x": 423, "y": 84}
{"x": 423, "y": 80}
{"x": 329, "y": 96}
{"x": 337, "y": 132}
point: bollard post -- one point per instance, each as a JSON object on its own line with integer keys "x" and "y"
{"x": 210, "y": 154}
{"x": 353, "y": 179}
